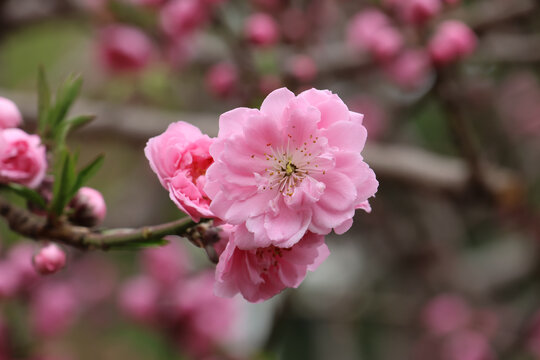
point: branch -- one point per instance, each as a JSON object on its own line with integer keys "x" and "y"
{"x": 36, "y": 227}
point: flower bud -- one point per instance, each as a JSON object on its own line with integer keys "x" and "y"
{"x": 410, "y": 69}
{"x": 49, "y": 259}
{"x": 181, "y": 17}
{"x": 420, "y": 11}
{"x": 221, "y": 79}
{"x": 10, "y": 115}
{"x": 452, "y": 41}
{"x": 89, "y": 208}
{"x": 261, "y": 30}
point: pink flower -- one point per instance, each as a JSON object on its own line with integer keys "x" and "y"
{"x": 411, "y": 69}
{"x": 446, "y": 313}
{"x": 261, "y": 30}
{"x": 453, "y": 40}
{"x": 376, "y": 119}
{"x": 419, "y": 11}
{"x": 89, "y": 208}
{"x": 181, "y": 17}
{"x": 293, "y": 166}
{"x": 207, "y": 320}
{"x": 139, "y": 298}
{"x": 22, "y": 158}
{"x": 49, "y": 259}
{"x": 180, "y": 157}
{"x": 221, "y": 79}
{"x": 124, "y": 49}
{"x": 53, "y": 309}
{"x": 10, "y": 116}
{"x": 303, "y": 68}
{"x": 371, "y": 31}
{"x": 259, "y": 273}
{"x": 166, "y": 264}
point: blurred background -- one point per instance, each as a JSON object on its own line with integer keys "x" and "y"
{"x": 447, "y": 264}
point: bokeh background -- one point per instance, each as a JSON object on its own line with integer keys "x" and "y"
{"x": 447, "y": 264}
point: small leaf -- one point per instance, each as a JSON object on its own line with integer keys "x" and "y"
{"x": 64, "y": 176}
{"x": 66, "y": 127}
{"x": 44, "y": 99}
{"x": 67, "y": 94}
{"x": 88, "y": 171}
{"x": 29, "y": 194}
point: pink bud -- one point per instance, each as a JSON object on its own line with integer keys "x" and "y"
{"x": 89, "y": 208}
{"x": 261, "y": 30}
{"x": 420, "y": 11}
{"x": 49, "y": 259}
{"x": 138, "y": 299}
{"x": 181, "y": 17}
{"x": 221, "y": 79}
{"x": 446, "y": 313}
{"x": 10, "y": 115}
{"x": 453, "y": 40}
{"x": 124, "y": 49}
{"x": 410, "y": 69}
{"x": 303, "y": 68}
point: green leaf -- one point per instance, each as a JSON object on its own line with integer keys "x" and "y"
{"x": 44, "y": 99}
{"x": 65, "y": 97}
{"x": 29, "y": 194}
{"x": 67, "y": 126}
{"x": 65, "y": 177}
{"x": 88, "y": 172}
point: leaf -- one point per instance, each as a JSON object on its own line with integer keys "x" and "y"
{"x": 67, "y": 94}
{"x": 29, "y": 194}
{"x": 67, "y": 126}
{"x": 65, "y": 178}
{"x": 86, "y": 174}
{"x": 44, "y": 99}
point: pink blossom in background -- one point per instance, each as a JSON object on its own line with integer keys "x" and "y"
{"x": 9, "y": 280}
{"x": 166, "y": 264}
{"x": 179, "y": 52}
{"x": 467, "y": 345}
{"x": 20, "y": 259}
{"x": 49, "y": 259}
{"x": 261, "y": 29}
{"x": 181, "y": 17}
{"x": 138, "y": 299}
{"x": 221, "y": 79}
{"x": 10, "y": 116}
{"x": 452, "y": 41}
{"x": 53, "y": 309}
{"x": 206, "y": 320}
{"x": 375, "y": 120}
{"x": 180, "y": 157}
{"x": 293, "y": 166}
{"x": 259, "y": 273}
{"x": 22, "y": 158}
{"x": 123, "y": 48}
{"x": 410, "y": 70}
{"x": 89, "y": 208}
{"x": 303, "y": 68}
{"x": 93, "y": 278}
{"x": 370, "y": 30}
{"x": 419, "y": 11}
{"x": 446, "y": 313}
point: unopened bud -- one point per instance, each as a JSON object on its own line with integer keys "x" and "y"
{"x": 10, "y": 115}
{"x": 89, "y": 207}
{"x": 49, "y": 259}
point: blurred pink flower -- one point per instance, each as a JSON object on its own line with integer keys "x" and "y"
{"x": 10, "y": 116}
{"x": 410, "y": 69}
{"x": 49, "y": 259}
{"x": 166, "y": 264}
{"x": 206, "y": 320}
{"x": 9, "y": 280}
{"x": 261, "y": 29}
{"x": 180, "y": 157}
{"x": 259, "y": 273}
{"x": 370, "y": 30}
{"x": 293, "y": 166}
{"x": 20, "y": 258}
{"x": 467, "y": 345}
{"x": 93, "y": 278}
{"x": 453, "y": 40}
{"x": 53, "y": 309}
{"x": 89, "y": 208}
{"x": 139, "y": 299}
{"x": 419, "y": 11}
{"x": 181, "y": 17}
{"x": 221, "y": 79}
{"x": 375, "y": 117}
{"x": 22, "y": 158}
{"x": 303, "y": 68}
{"x": 124, "y": 48}
{"x": 446, "y": 313}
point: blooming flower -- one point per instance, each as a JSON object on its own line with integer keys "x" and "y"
{"x": 22, "y": 158}
{"x": 259, "y": 273}
{"x": 180, "y": 157}
{"x": 293, "y": 166}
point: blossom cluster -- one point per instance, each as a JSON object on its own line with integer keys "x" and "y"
{"x": 279, "y": 178}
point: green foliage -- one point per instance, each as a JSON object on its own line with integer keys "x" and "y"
{"x": 29, "y": 194}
